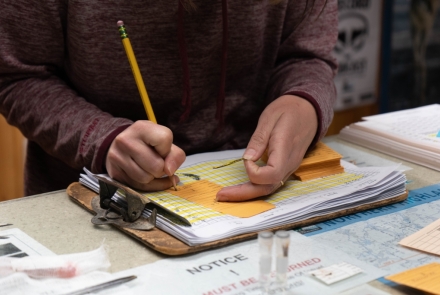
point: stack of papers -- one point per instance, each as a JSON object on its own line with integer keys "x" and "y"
{"x": 412, "y": 135}
{"x": 319, "y": 162}
{"x": 295, "y": 201}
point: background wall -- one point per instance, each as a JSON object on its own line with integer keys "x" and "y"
{"x": 411, "y": 75}
{"x": 11, "y": 161}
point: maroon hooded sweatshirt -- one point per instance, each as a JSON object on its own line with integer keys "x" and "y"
{"x": 66, "y": 83}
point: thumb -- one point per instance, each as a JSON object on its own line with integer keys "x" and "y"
{"x": 258, "y": 144}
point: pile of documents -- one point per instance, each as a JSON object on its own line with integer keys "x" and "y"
{"x": 412, "y": 135}
{"x": 295, "y": 201}
{"x": 319, "y": 162}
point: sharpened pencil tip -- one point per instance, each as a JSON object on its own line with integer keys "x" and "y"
{"x": 173, "y": 182}
{"x": 120, "y": 23}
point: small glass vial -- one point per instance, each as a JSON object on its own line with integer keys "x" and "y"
{"x": 282, "y": 241}
{"x": 265, "y": 241}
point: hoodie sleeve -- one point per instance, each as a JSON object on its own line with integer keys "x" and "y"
{"x": 35, "y": 98}
{"x": 305, "y": 66}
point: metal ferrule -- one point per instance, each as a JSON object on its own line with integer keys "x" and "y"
{"x": 123, "y": 32}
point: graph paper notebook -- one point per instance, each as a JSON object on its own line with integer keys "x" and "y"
{"x": 297, "y": 202}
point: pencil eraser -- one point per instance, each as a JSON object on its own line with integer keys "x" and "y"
{"x": 120, "y": 23}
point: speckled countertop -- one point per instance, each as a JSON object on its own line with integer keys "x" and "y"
{"x": 62, "y": 226}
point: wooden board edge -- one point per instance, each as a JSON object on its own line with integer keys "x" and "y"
{"x": 77, "y": 192}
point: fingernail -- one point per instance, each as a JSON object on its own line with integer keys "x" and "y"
{"x": 249, "y": 154}
{"x": 219, "y": 198}
{"x": 171, "y": 167}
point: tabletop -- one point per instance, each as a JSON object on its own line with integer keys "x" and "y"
{"x": 62, "y": 226}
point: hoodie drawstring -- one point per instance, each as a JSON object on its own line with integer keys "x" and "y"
{"x": 186, "y": 99}
{"x": 221, "y": 96}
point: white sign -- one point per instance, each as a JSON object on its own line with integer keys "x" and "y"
{"x": 234, "y": 270}
{"x": 358, "y": 52}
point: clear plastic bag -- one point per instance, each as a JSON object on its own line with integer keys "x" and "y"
{"x": 60, "y": 266}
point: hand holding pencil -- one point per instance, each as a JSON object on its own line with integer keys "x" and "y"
{"x": 144, "y": 152}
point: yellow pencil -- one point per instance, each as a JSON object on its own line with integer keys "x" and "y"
{"x": 138, "y": 78}
{"x": 137, "y": 74}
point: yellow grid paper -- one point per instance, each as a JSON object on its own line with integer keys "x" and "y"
{"x": 234, "y": 174}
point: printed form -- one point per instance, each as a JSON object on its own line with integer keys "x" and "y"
{"x": 295, "y": 201}
{"x": 426, "y": 239}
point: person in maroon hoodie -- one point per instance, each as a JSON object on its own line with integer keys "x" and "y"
{"x": 221, "y": 75}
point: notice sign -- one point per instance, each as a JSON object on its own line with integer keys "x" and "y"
{"x": 234, "y": 270}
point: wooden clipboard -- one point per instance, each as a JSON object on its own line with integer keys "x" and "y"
{"x": 165, "y": 243}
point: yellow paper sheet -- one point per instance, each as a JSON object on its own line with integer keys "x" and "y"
{"x": 425, "y": 278}
{"x": 319, "y": 162}
{"x": 203, "y": 192}
{"x": 320, "y": 154}
{"x": 235, "y": 174}
{"x": 319, "y": 173}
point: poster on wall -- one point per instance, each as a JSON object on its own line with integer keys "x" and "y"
{"x": 358, "y": 52}
{"x": 413, "y": 74}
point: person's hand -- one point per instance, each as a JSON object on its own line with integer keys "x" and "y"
{"x": 286, "y": 128}
{"x": 142, "y": 154}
